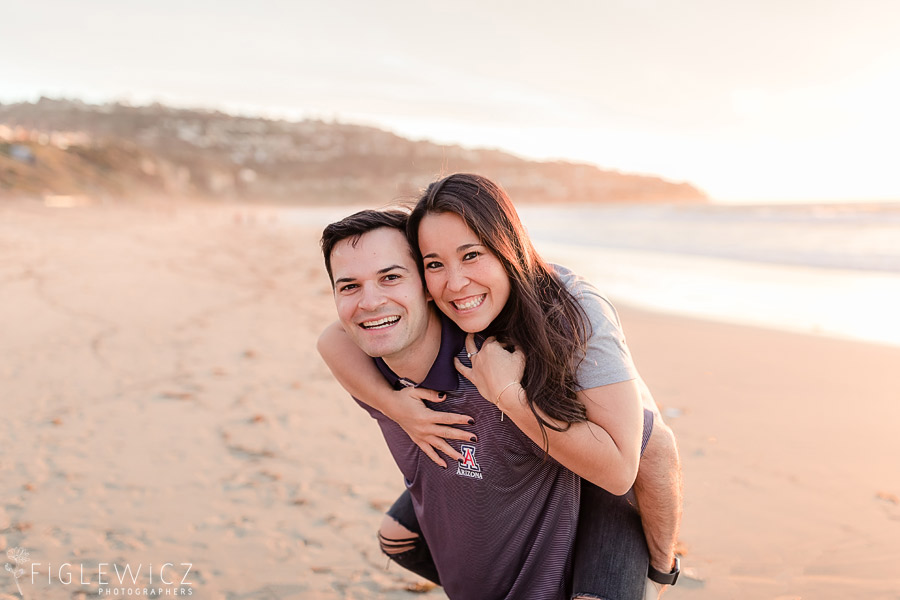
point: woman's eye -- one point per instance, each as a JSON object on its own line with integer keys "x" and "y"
{"x": 470, "y": 255}
{"x": 433, "y": 265}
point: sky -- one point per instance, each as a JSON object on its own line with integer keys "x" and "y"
{"x": 765, "y": 101}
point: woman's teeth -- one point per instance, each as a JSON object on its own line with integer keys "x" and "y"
{"x": 469, "y": 303}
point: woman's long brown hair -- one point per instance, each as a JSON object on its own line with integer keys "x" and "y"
{"x": 541, "y": 317}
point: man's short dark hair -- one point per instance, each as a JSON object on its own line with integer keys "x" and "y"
{"x": 355, "y": 226}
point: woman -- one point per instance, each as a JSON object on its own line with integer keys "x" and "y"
{"x": 569, "y": 384}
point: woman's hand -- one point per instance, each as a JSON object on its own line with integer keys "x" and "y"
{"x": 356, "y": 372}
{"x": 496, "y": 372}
{"x": 429, "y": 429}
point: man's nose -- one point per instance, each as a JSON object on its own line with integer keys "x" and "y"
{"x": 371, "y": 298}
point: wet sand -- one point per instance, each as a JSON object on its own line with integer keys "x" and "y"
{"x": 163, "y": 403}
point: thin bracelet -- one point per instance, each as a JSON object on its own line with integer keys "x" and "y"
{"x": 497, "y": 403}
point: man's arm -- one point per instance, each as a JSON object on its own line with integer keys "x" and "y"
{"x": 658, "y": 489}
{"x": 355, "y": 371}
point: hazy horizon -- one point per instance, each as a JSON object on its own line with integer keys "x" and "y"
{"x": 770, "y": 102}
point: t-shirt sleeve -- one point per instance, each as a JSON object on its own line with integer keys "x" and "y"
{"x": 607, "y": 359}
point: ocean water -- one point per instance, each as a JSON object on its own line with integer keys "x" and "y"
{"x": 830, "y": 270}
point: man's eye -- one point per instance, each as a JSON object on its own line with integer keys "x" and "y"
{"x": 349, "y": 287}
{"x": 391, "y": 277}
{"x": 433, "y": 265}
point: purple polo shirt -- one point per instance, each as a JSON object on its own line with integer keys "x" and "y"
{"x": 500, "y": 524}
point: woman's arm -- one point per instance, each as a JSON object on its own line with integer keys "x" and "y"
{"x": 605, "y": 450}
{"x": 355, "y": 371}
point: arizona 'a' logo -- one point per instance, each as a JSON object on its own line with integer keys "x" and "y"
{"x": 468, "y": 466}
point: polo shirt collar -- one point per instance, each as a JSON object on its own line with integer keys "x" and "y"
{"x": 443, "y": 376}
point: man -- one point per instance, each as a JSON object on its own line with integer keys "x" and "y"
{"x": 501, "y": 524}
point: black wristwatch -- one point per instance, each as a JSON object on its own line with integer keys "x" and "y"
{"x": 665, "y": 578}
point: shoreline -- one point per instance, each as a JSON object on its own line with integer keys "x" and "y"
{"x": 816, "y": 301}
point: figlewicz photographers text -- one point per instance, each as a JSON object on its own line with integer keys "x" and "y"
{"x": 169, "y": 579}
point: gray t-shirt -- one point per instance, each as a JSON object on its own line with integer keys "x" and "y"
{"x": 608, "y": 359}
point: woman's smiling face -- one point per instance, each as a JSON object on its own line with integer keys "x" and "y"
{"x": 466, "y": 280}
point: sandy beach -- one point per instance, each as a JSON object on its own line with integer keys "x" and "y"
{"x": 163, "y": 404}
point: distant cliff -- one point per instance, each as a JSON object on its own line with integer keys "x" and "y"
{"x": 115, "y": 151}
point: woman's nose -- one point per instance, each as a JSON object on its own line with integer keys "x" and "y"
{"x": 456, "y": 280}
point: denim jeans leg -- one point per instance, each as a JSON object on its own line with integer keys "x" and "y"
{"x": 610, "y": 555}
{"x": 417, "y": 559}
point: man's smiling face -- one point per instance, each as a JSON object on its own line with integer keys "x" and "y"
{"x": 379, "y": 295}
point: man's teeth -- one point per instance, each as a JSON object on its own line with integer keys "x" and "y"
{"x": 380, "y": 323}
{"x": 470, "y": 303}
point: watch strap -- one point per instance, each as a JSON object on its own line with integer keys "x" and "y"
{"x": 665, "y": 578}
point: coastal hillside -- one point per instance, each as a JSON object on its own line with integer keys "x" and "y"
{"x": 112, "y": 152}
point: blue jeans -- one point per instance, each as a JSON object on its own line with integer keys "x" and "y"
{"x": 611, "y": 556}
{"x": 417, "y": 559}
